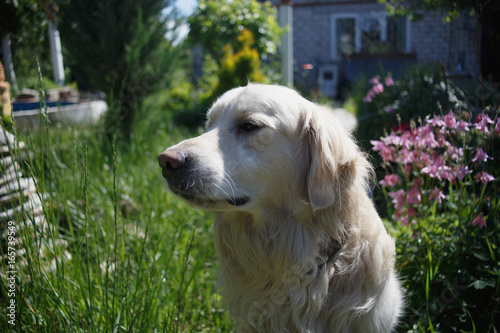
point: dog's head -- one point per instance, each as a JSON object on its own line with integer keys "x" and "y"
{"x": 264, "y": 146}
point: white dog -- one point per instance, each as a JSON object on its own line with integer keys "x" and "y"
{"x": 301, "y": 247}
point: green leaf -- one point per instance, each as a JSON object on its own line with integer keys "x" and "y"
{"x": 481, "y": 256}
{"x": 479, "y": 284}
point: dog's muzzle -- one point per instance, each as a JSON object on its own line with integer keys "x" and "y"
{"x": 177, "y": 169}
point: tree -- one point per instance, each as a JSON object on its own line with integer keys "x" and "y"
{"x": 416, "y": 9}
{"x": 486, "y": 11}
{"x": 215, "y": 24}
{"x": 118, "y": 47}
{"x": 23, "y": 24}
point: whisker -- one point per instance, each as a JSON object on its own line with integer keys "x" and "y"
{"x": 229, "y": 180}
{"x": 222, "y": 190}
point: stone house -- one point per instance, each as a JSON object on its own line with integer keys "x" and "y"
{"x": 342, "y": 39}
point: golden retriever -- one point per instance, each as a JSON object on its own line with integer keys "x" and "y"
{"x": 301, "y": 247}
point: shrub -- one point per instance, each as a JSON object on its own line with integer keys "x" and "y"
{"x": 419, "y": 91}
{"x": 441, "y": 183}
{"x": 239, "y": 68}
{"x": 186, "y": 104}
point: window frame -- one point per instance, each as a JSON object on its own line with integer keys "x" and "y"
{"x": 381, "y": 16}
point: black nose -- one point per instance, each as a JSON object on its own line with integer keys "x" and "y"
{"x": 172, "y": 159}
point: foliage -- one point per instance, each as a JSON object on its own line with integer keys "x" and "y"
{"x": 139, "y": 259}
{"x": 416, "y": 8}
{"x": 383, "y": 102}
{"x": 187, "y": 106}
{"x": 119, "y": 47}
{"x": 179, "y": 105}
{"x": 26, "y": 24}
{"x": 239, "y": 39}
{"x": 239, "y": 68}
{"x": 441, "y": 185}
{"x": 217, "y": 23}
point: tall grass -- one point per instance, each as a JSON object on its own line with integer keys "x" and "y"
{"x": 121, "y": 254}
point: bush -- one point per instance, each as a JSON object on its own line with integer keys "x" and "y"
{"x": 441, "y": 183}
{"x": 186, "y": 105}
{"x": 383, "y": 102}
{"x": 239, "y": 68}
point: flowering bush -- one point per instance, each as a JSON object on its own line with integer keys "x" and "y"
{"x": 442, "y": 152}
{"x": 441, "y": 183}
{"x": 417, "y": 92}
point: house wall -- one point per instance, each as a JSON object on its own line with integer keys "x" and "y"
{"x": 312, "y": 27}
{"x": 431, "y": 40}
{"x": 454, "y": 43}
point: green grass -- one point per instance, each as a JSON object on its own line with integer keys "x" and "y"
{"x": 137, "y": 259}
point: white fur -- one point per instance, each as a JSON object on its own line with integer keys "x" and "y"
{"x": 305, "y": 179}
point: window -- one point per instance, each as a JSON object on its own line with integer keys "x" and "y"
{"x": 373, "y": 32}
{"x": 344, "y": 35}
{"x": 397, "y": 33}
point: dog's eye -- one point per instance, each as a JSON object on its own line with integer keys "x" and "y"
{"x": 248, "y": 126}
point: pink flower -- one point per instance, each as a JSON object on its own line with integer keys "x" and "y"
{"x": 450, "y": 120}
{"x": 384, "y": 150}
{"x": 482, "y": 122}
{"x": 455, "y": 153}
{"x": 414, "y": 196}
{"x": 437, "y": 195}
{"x": 438, "y": 169}
{"x": 390, "y": 180}
{"x": 423, "y": 131}
{"x": 405, "y": 156}
{"x": 374, "y": 80}
{"x": 423, "y": 159}
{"x": 497, "y": 127}
{"x": 436, "y": 122}
{"x": 430, "y": 141}
{"x": 378, "y": 88}
{"x": 389, "y": 81}
{"x": 425, "y": 137}
{"x": 368, "y": 98}
{"x": 463, "y": 126}
{"x": 378, "y": 145}
{"x": 433, "y": 169}
{"x": 398, "y": 199}
{"x": 446, "y": 173}
{"x": 479, "y": 220}
{"x": 393, "y": 139}
{"x": 442, "y": 142}
{"x": 462, "y": 171}
{"x": 484, "y": 178}
{"x": 481, "y": 155}
{"x": 406, "y": 140}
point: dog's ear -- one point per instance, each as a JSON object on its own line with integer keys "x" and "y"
{"x": 334, "y": 158}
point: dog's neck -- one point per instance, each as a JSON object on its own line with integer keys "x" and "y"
{"x": 261, "y": 241}
{"x": 273, "y": 259}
